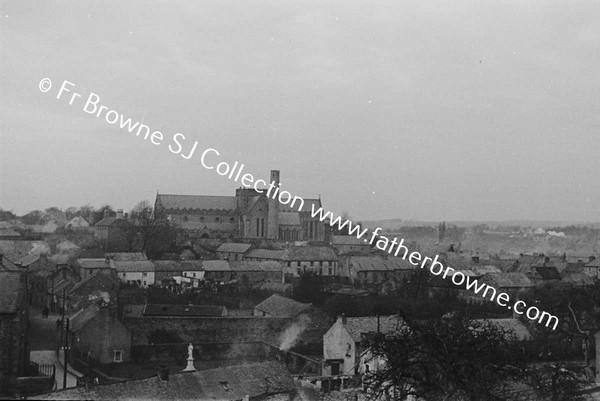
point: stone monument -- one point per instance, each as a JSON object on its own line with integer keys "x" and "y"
{"x": 190, "y": 360}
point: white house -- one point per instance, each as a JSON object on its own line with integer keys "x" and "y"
{"x": 140, "y": 272}
{"x": 344, "y": 352}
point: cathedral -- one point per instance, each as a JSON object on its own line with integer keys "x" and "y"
{"x": 247, "y": 215}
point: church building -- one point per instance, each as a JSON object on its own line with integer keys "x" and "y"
{"x": 247, "y": 215}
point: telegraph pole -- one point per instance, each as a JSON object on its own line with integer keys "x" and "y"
{"x": 66, "y": 354}
{"x": 65, "y": 337}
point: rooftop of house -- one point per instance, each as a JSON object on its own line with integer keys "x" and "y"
{"x": 132, "y": 266}
{"x": 378, "y": 263}
{"x": 233, "y": 247}
{"x": 507, "y": 280}
{"x": 66, "y": 246}
{"x": 255, "y": 266}
{"x": 310, "y": 253}
{"x": 93, "y": 263}
{"x": 178, "y": 265}
{"x": 359, "y": 326}
{"x": 11, "y": 289}
{"x": 95, "y": 278}
{"x": 548, "y": 272}
{"x": 216, "y": 265}
{"x": 184, "y": 310}
{"x": 196, "y": 202}
{"x": 593, "y": 263}
{"x": 279, "y": 306}
{"x": 256, "y": 380}
{"x": 27, "y": 260}
{"x": 82, "y": 317}
{"x": 8, "y": 232}
{"x": 126, "y": 256}
{"x": 266, "y": 254}
{"x": 579, "y": 279}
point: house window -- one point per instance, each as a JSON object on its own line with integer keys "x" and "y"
{"x": 118, "y": 356}
{"x": 298, "y": 263}
{"x": 320, "y": 263}
{"x": 312, "y": 264}
{"x": 289, "y": 264}
{"x": 144, "y": 274}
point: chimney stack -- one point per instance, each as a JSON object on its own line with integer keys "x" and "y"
{"x": 592, "y": 258}
{"x": 343, "y": 318}
{"x": 119, "y": 214}
{"x": 106, "y": 214}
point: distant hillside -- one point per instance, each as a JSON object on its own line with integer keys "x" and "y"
{"x": 390, "y": 224}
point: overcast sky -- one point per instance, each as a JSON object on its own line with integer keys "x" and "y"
{"x": 480, "y": 110}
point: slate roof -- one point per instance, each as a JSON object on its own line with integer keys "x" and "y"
{"x": 132, "y": 266}
{"x": 481, "y": 270}
{"x": 233, "y": 247}
{"x": 306, "y": 208}
{"x": 93, "y": 263}
{"x": 593, "y": 263}
{"x": 357, "y": 326}
{"x": 266, "y": 254}
{"x": 579, "y": 279}
{"x": 548, "y": 272}
{"x": 28, "y": 259}
{"x": 289, "y": 219}
{"x": 256, "y": 380}
{"x": 573, "y": 268}
{"x": 94, "y": 277}
{"x": 348, "y": 240}
{"x": 184, "y": 310}
{"x": 178, "y": 265}
{"x": 279, "y": 306}
{"x": 58, "y": 288}
{"x": 310, "y": 253}
{"x": 216, "y": 265}
{"x": 377, "y": 263}
{"x": 127, "y": 256}
{"x": 78, "y": 221}
{"x": 11, "y": 290}
{"x": 7, "y": 232}
{"x": 256, "y": 266}
{"x": 507, "y": 280}
{"x": 81, "y": 318}
{"x": 199, "y": 202}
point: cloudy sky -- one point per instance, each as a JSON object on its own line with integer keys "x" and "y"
{"x": 391, "y": 109}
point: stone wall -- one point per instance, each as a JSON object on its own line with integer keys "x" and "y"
{"x": 210, "y": 329}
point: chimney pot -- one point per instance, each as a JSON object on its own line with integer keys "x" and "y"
{"x": 343, "y": 317}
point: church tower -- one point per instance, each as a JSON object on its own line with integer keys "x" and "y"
{"x": 273, "y": 217}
